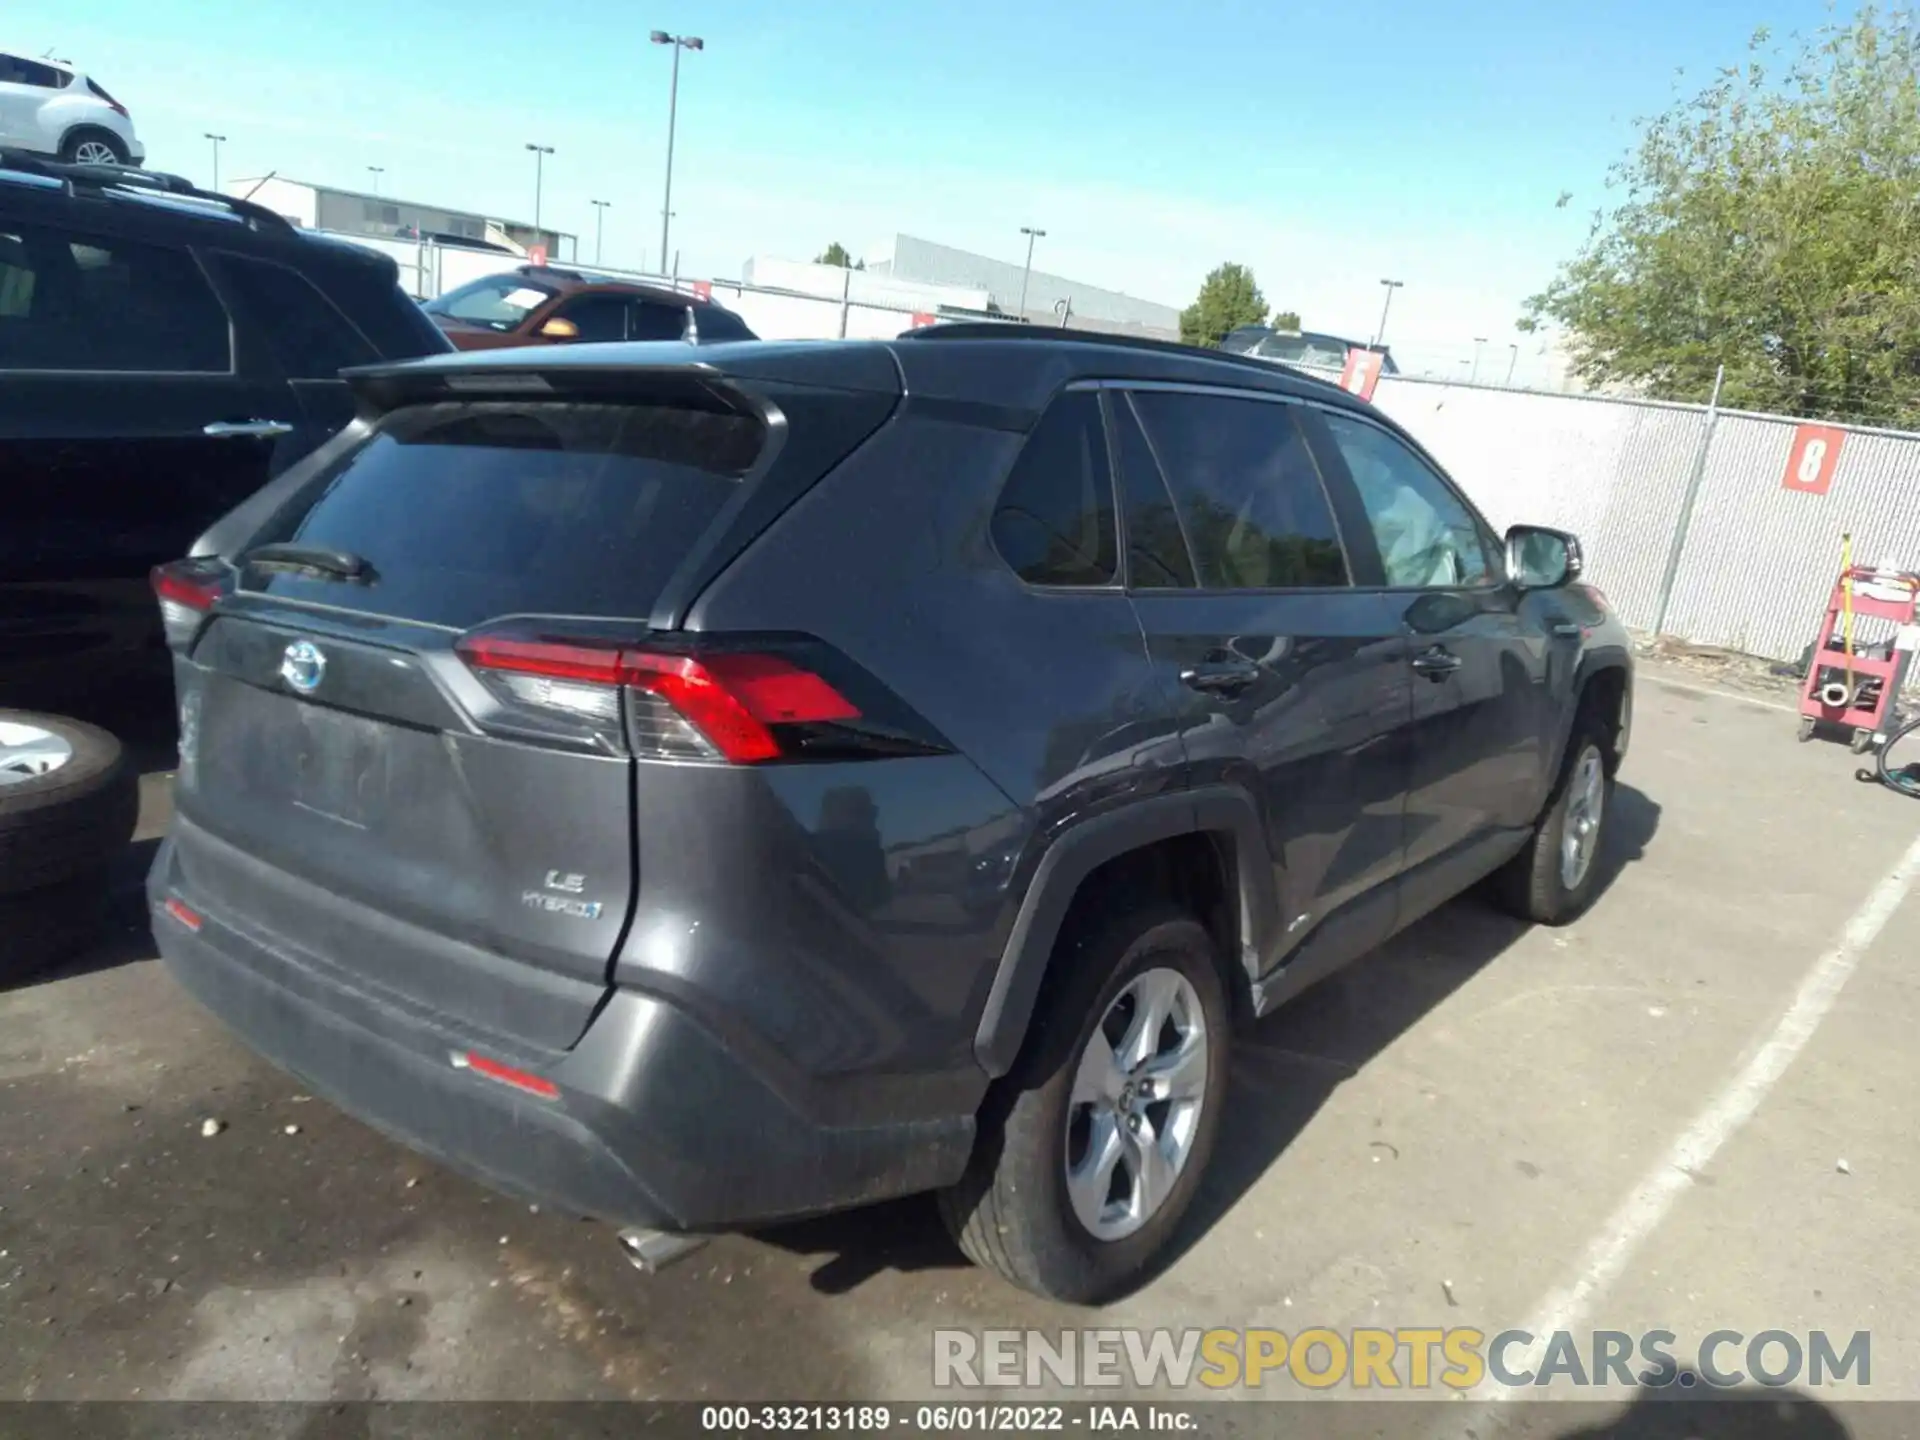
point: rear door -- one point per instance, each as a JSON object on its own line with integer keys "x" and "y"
{"x": 309, "y": 339}
{"x": 130, "y": 422}
{"x": 26, "y": 86}
{"x": 1293, "y": 679}
{"x": 402, "y": 774}
{"x": 1479, "y": 732}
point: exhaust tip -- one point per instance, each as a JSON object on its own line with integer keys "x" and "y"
{"x": 653, "y": 1250}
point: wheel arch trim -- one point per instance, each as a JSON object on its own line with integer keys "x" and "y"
{"x": 1224, "y": 811}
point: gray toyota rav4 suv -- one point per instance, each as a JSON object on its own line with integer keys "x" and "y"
{"x": 697, "y": 791}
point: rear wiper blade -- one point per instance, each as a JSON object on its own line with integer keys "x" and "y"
{"x": 314, "y": 560}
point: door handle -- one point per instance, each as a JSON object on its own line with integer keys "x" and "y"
{"x": 246, "y": 429}
{"x": 1436, "y": 664}
{"x": 1225, "y": 677}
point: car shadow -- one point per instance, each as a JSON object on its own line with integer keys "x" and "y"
{"x": 1688, "y": 1409}
{"x": 1320, "y": 1038}
{"x": 124, "y": 935}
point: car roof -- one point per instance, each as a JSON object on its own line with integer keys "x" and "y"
{"x": 1003, "y": 374}
{"x": 568, "y": 279}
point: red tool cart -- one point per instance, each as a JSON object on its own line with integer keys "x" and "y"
{"x": 1852, "y": 686}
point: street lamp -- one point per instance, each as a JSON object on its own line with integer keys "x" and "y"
{"x": 1380, "y": 335}
{"x": 599, "y": 216}
{"x": 216, "y": 139}
{"x": 1479, "y": 342}
{"x": 1032, "y": 235}
{"x": 1513, "y": 359}
{"x": 540, "y": 153}
{"x": 679, "y": 43}
{"x": 376, "y": 171}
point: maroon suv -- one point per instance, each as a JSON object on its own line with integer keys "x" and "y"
{"x": 543, "y": 305}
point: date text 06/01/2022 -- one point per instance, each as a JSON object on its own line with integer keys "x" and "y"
{"x": 945, "y": 1418}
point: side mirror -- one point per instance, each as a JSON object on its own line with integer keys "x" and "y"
{"x": 1542, "y": 559}
{"x": 559, "y": 328}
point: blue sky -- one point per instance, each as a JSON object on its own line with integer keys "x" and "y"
{"x": 1324, "y": 145}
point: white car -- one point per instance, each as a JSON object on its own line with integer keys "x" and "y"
{"x": 51, "y": 110}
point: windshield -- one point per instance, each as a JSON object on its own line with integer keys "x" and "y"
{"x": 499, "y": 302}
{"x": 1322, "y": 350}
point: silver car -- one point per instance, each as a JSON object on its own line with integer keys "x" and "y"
{"x": 53, "y": 110}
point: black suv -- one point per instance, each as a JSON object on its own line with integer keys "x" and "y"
{"x": 164, "y": 352}
{"x": 704, "y": 789}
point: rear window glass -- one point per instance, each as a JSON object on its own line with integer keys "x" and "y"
{"x": 471, "y": 511}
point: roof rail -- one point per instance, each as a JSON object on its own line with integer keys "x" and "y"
{"x": 991, "y": 330}
{"x": 80, "y": 178}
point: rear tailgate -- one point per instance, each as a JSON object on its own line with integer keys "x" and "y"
{"x": 355, "y": 791}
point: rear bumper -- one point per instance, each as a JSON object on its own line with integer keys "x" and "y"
{"x": 656, "y": 1122}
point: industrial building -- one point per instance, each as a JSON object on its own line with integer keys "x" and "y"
{"x": 354, "y": 212}
{"x": 910, "y": 259}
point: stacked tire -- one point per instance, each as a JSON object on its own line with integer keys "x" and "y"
{"x": 69, "y": 800}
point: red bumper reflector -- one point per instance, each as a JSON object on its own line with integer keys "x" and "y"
{"x": 181, "y": 912}
{"x": 507, "y": 1075}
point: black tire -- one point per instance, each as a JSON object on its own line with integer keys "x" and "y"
{"x": 1530, "y": 886}
{"x": 70, "y": 820}
{"x": 44, "y": 927}
{"x": 89, "y": 135}
{"x": 1011, "y": 1213}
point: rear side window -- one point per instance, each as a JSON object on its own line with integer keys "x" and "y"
{"x": 310, "y": 339}
{"x": 1157, "y": 557}
{"x": 68, "y": 303}
{"x": 32, "y": 72}
{"x": 471, "y": 511}
{"x": 656, "y": 322}
{"x": 1249, "y": 493}
{"x": 1054, "y": 523}
{"x": 598, "y": 317}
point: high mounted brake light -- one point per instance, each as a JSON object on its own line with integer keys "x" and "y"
{"x": 724, "y": 705}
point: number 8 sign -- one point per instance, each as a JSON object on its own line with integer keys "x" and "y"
{"x": 1812, "y": 458}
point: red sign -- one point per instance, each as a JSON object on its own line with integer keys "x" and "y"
{"x": 922, "y": 318}
{"x": 1812, "y": 458}
{"x": 1362, "y": 372}
{"x": 537, "y": 255}
{"x": 703, "y": 288}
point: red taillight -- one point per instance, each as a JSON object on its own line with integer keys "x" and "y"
{"x": 183, "y": 913}
{"x": 176, "y": 586}
{"x": 187, "y": 590}
{"x": 717, "y": 705}
{"x": 118, "y": 109}
{"x": 507, "y": 1075}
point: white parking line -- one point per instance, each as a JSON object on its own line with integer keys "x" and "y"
{"x": 1647, "y": 1205}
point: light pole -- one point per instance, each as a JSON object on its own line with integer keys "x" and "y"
{"x": 1479, "y": 343}
{"x": 540, "y": 153}
{"x": 1513, "y": 359}
{"x": 217, "y": 140}
{"x": 599, "y": 216}
{"x": 376, "y": 171}
{"x": 679, "y": 43}
{"x": 1381, "y": 334}
{"x": 1026, "y": 274}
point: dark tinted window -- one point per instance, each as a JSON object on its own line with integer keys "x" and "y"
{"x": 1427, "y": 537}
{"x": 310, "y": 339}
{"x": 713, "y": 323}
{"x": 17, "y": 71}
{"x": 1157, "y": 556}
{"x": 1054, "y": 523}
{"x": 1247, "y": 487}
{"x": 86, "y": 304}
{"x": 471, "y": 511}
{"x": 657, "y": 322}
{"x": 600, "y": 317}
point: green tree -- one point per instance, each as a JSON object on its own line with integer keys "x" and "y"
{"x": 1228, "y": 298}
{"x": 1285, "y": 320}
{"x": 836, "y": 254}
{"x": 1770, "y": 224}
